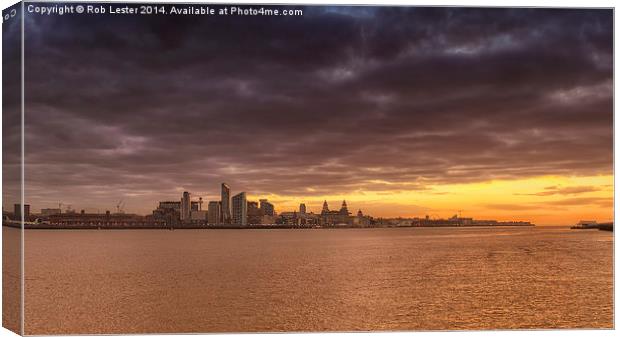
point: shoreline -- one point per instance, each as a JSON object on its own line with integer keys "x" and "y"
{"x": 87, "y": 227}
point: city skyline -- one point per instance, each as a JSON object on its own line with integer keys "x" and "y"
{"x": 313, "y": 206}
{"x": 188, "y": 212}
{"x": 403, "y": 112}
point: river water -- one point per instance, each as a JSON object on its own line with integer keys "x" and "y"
{"x": 140, "y": 281}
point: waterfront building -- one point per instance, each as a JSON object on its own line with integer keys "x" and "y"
{"x": 107, "y": 220}
{"x": 50, "y": 211}
{"x": 239, "y": 210}
{"x": 361, "y": 220}
{"x": 267, "y": 207}
{"x": 214, "y": 212}
{"x": 167, "y": 215}
{"x": 298, "y": 219}
{"x": 268, "y": 220}
{"x": 342, "y": 216}
{"x": 26, "y": 211}
{"x": 454, "y": 221}
{"x": 169, "y": 212}
{"x": 311, "y": 219}
{"x": 17, "y": 211}
{"x": 186, "y": 207}
{"x": 175, "y": 205}
{"x": 254, "y": 213}
{"x": 289, "y": 218}
{"x": 302, "y": 209}
{"x": 225, "y": 200}
{"x": 198, "y": 216}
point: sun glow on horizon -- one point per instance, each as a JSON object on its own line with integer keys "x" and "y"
{"x": 543, "y": 200}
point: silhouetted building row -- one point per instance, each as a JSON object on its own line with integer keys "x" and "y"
{"x": 107, "y": 220}
{"x": 327, "y": 217}
{"x": 179, "y": 212}
{"x": 238, "y": 211}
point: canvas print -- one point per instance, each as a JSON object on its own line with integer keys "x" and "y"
{"x": 216, "y": 168}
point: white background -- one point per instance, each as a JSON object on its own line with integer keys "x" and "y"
{"x": 521, "y": 3}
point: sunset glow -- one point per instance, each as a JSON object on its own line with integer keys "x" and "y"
{"x": 546, "y": 200}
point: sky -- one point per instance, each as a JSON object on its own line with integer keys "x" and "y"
{"x": 488, "y": 113}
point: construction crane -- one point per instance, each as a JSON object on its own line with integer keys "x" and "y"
{"x": 119, "y": 206}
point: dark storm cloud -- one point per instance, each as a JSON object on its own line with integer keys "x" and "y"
{"x": 342, "y": 99}
{"x": 11, "y": 108}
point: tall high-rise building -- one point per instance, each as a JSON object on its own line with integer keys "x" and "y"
{"x": 17, "y": 211}
{"x": 215, "y": 212}
{"x": 239, "y": 209}
{"x": 186, "y": 207}
{"x": 225, "y": 204}
{"x": 302, "y": 209}
{"x": 266, "y": 207}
